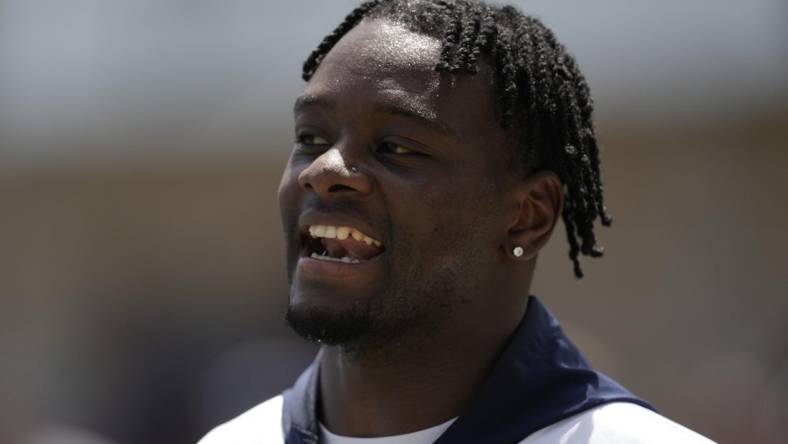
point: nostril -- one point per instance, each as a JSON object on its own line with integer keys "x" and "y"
{"x": 339, "y": 187}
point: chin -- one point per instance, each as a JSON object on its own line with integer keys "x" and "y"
{"x": 329, "y": 323}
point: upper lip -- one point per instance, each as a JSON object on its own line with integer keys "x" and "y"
{"x": 311, "y": 218}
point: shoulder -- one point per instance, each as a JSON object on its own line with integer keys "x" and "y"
{"x": 617, "y": 422}
{"x": 259, "y": 425}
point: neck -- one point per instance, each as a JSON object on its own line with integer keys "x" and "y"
{"x": 419, "y": 380}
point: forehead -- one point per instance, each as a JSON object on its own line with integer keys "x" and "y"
{"x": 389, "y": 46}
{"x": 383, "y": 53}
{"x": 381, "y": 61}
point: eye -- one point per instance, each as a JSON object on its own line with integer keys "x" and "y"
{"x": 394, "y": 148}
{"x": 311, "y": 139}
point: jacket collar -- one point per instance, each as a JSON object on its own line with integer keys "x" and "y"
{"x": 539, "y": 379}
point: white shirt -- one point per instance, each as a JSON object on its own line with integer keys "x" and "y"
{"x": 613, "y": 423}
{"x": 425, "y": 436}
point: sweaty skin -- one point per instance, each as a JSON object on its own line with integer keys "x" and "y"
{"x": 416, "y": 159}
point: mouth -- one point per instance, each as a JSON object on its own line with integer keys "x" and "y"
{"x": 339, "y": 244}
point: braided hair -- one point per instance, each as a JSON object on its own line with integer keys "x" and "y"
{"x": 544, "y": 100}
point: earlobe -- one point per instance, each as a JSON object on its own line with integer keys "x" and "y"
{"x": 540, "y": 201}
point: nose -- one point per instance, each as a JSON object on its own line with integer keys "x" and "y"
{"x": 331, "y": 175}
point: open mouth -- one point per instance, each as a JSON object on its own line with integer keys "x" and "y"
{"x": 339, "y": 244}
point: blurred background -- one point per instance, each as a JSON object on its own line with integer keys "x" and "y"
{"x": 142, "y": 283}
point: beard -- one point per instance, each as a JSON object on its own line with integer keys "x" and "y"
{"x": 421, "y": 291}
{"x": 403, "y": 313}
{"x": 328, "y": 325}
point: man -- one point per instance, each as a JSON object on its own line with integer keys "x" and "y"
{"x": 437, "y": 143}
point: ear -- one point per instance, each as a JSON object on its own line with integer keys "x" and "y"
{"x": 540, "y": 199}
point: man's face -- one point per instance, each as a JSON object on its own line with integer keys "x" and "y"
{"x": 414, "y": 163}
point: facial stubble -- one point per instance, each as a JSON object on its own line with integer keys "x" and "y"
{"x": 415, "y": 305}
{"x": 404, "y": 314}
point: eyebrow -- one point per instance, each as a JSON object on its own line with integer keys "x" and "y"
{"x": 409, "y": 112}
{"x": 308, "y": 100}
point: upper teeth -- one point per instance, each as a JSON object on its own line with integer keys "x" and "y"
{"x": 331, "y": 231}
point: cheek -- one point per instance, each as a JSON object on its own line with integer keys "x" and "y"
{"x": 468, "y": 218}
{"x": 448, "y": 220}
{"x": 447, "y": 214}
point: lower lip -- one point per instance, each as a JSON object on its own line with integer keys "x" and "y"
{"x": 337, "y": 270}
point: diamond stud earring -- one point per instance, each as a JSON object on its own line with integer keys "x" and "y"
{"x": 517, "y": 251}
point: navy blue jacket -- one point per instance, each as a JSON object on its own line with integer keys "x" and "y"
{"x": 539, "y": 379}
